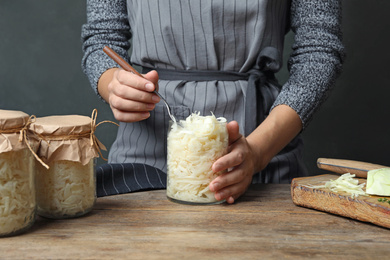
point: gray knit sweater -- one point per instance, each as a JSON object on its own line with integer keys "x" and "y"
{"x": 314, "y": 65}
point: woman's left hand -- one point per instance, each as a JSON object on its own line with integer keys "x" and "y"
{"x": 238, "y": 164}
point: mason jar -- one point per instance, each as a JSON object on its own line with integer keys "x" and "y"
{"x": 17, "y": 189}
{"x": 66, "y": 184}
{"x": 193, "y": 145}
{"x": 66, "y": 190}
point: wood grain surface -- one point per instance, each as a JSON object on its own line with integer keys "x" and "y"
{"x": 263, "y": 224}
{"x": 363, "y": 208}
{"x": 342, "y": 166}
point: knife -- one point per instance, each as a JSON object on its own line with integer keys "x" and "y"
{"x": 342, "y": 166}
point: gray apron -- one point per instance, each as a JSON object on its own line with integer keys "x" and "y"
{"x": 212, "y": 56}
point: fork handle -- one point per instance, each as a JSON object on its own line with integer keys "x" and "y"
{"x": 118, "y": 59}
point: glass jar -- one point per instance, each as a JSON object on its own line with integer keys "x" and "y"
{"x": 66, "y": 185}
{"x": 66, "y": 190}
{"x": 17, "y": 189}
{"x": 194, "y": 144}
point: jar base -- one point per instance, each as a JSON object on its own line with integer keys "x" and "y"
{"x": 19, "y": 231}
{"x": 195, "y": 203}
{"x": 49, "y": 215}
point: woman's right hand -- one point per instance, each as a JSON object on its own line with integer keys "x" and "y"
{"x": 131, "y": 97}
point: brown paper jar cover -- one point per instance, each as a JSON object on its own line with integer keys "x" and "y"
{"x": 11, "y": 123}
{"x": 66, "y": 137}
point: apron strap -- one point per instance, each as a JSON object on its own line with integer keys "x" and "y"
{"x": 263, "y": 71}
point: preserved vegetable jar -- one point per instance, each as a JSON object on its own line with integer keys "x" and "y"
{"x": 66, "y": 188}
{"x": 17, "y": 190}
{"x": 194, "y": 144}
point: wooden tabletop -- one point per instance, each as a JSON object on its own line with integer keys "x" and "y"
{"x": 263, "y": 224}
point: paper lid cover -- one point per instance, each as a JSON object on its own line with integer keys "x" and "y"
{"x": 62, "y": 125}
{"x": 11, "y": 124}
{"x": 10, "y": 119}
{"x": 67, "y": 137}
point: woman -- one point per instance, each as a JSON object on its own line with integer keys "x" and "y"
{"x": 219, "y": 56}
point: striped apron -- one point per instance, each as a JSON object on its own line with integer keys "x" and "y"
{"x": 212, "y": 56}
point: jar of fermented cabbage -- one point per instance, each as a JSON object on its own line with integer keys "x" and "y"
{"x": 17, "y": 190}
{"x": 194, "y": 144}
{"x": 66, "y": 187}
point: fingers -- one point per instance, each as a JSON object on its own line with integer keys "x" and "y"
{"x": 130, "y": 86}
{"x": 152, "y": 76}
{"x": 231, "y": 194}
{"x": 131, "y": 97}
{"x": 132, "y": 101}
{"x": 230, "y": 200}
{"x": 233, "y": 131}
{"x": 125, "y": 116}
{"x": 235, "y": 156}
{"x": 231, "y": 184}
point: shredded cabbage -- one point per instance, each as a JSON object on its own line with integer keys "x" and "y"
{"x": 17, "y": 191}
{"x": 345, "y": 183}
{"x": 194, "y": 144}
{"x": 66, "y": 189}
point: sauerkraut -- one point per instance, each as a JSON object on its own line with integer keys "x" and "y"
{"x": 194, "y": 144}
{"x": 66, "y": 189}
{"x": 17, "y": 191}
{"x": 345, "y": 183}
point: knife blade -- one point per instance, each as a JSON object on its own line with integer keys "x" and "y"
{"x": 342, "y": 166}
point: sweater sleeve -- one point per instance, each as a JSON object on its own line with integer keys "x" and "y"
{"x": 316, "y": 58}
{"x": 107, "y": 24}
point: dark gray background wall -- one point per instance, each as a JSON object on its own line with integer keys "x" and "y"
{"x": 40, "y": 74}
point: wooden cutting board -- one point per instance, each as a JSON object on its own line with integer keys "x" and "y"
{"x": 363, "y": 208}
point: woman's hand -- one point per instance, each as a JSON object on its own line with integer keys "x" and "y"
{"x": 131, "y": 97}
{"x": 240, "y": 163}
{"x": 252, "y": 154}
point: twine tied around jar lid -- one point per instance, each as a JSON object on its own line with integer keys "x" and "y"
{"x": 65, "y": 138}
{"x": 23, "y": 136}
{"x": 94, "y": 141}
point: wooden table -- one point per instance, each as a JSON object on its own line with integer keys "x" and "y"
{"x": 263, "y": 224}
